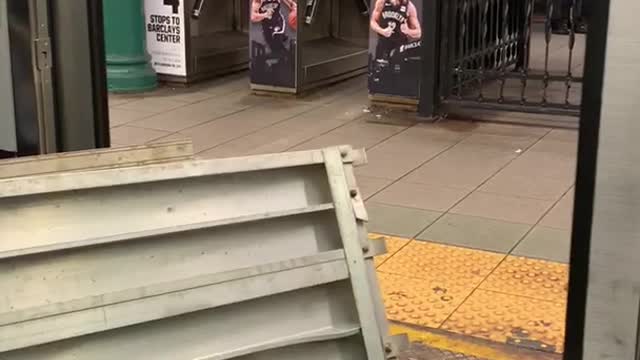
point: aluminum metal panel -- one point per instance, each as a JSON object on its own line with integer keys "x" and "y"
{"x": 248, "y": 258}
{"x": 97, "y": 159}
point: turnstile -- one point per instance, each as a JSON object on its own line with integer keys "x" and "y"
{"x": 201, "y": 38}
{"x": 296, "y": 46}
{"x": 52, "y": 77}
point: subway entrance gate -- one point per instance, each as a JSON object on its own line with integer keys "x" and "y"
{"x": 505, "y": 55}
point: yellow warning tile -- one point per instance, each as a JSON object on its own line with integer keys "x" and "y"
{"x": 511, "y": 319}
{"x": 538, "y": 279}
{"x": 426, "y": 260}
{"x": 393, "y": 245}
{"x": 420, "y": 302}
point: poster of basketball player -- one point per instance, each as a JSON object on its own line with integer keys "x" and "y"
{"x": 394, "y": 48}
{"x": 273, "y": 42}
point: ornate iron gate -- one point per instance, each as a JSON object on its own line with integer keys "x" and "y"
{"x": 501, "y": 55}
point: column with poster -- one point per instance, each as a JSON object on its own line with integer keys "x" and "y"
{"x": 166, "y": 36}
{"x": 395, "y": 48}
{"x": 273, "y": 41}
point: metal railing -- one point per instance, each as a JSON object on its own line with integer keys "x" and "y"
{"x": 499, "y": 55}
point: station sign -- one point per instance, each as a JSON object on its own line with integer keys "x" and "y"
{"x": 166, "y": 36}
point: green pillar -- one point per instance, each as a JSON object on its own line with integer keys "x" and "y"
{"x": 128, "y": 66}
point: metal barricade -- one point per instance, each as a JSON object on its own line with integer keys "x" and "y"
{"x": 262, "y": 257}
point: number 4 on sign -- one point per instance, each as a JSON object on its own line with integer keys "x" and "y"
{"x": 175, "y": 4}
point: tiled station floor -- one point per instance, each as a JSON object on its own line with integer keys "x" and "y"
{"x": 477, "y": 215}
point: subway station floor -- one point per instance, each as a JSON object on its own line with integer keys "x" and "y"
{"x": 476, "y": 216}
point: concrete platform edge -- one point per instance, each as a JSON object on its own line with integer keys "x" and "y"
{"x": 469, "y": 346}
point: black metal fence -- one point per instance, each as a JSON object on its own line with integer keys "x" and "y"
{"x": 502, "y": 55}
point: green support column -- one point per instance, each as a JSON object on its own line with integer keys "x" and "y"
{"x": 128, "y": 66}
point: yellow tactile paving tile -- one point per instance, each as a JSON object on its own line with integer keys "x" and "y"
{"x": 393, "y": 245}
{"x": 423, "y": 283}
{"x": 426, "y": 260}
{"x": 421, "y": 302}
{"x": 511, "y": 319}
{"x": 507, "y": 299}
{"x": 537, "y": 279}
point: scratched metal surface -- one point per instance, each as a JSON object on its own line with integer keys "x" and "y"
{"x": 422, "y": 352}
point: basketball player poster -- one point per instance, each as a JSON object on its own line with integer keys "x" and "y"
{"x": 394, "y": 47}
{"x": 273, "y": 36}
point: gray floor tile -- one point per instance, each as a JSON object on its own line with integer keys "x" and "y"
{"x": 195, "y": 114}
{"x": 550, "y": 165}
{"x": 172, "y": 137}
{"x": 119, "y": 117}
{"x": 369, "y": 186}
{"x": 295, "y": 131}
{"x": 115, "y": 100}
{"x": 502, "y": 207}
{"x": 130, "y": 135}
{"x": 475, "y": 232}
{"x": 563, "y": 135}
{"x": 534, "y": 186}
{"x": 406, "y": 151}
{"x": 424, "y": 134}
{"x": 561, "y": 215}
{"x": 186, "y": 95}
{"x": 556, "y": 147}
{"x": 398, "y": 221}
{"x": 222, "y": 130}
{"x": 226, "y": 84}
{"x": 547, "y": 244}
{"x": 390, "y": 166}
{"x": 331, "y": 93}
{"x": 511, "y": 130}
{"x": 493, "y": 142}
{"x": 451, "y": 125}
{"x": 359, "y": 134}
{"x": 152, "y": 104}
{"x": 461, "y": 167}
{"x": 420, "y": 196}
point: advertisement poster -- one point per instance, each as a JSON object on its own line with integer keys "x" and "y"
{"x": 273, "y": 33}
{"x": 394, "y": 47}
{"x": 164, "y": 21}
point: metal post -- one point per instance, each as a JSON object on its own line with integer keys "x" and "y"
{"x": 43, "y": 63}
{"x": 99, "y": 75}
{"x": 588, "y": 149}
{"x": 429, "y": 94}
{"x": 8, "y": 140}
{"x": 128, "y": 66}
{"x": 82, "y": 120}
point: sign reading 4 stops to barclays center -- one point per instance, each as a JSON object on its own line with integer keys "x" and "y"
{"x": 165, "y": 27}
